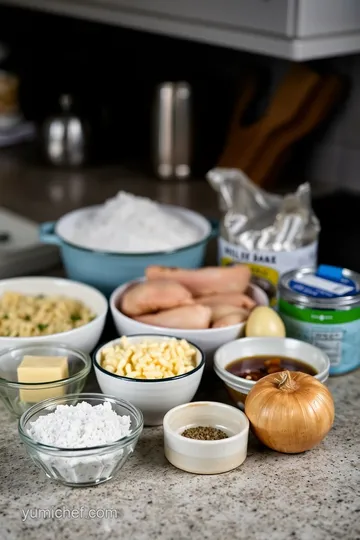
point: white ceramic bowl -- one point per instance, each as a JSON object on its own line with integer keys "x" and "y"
{"x": 241, "y": 348}
{"x": 208, "y": 340}
{"x": 85, "y": 337}
{"x": 153, "y": 397}
{"x": 206, "y": 457}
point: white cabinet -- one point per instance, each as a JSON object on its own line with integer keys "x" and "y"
{"x": 293, "y": 29}
{"x": 326, "y": 17}
{"x": 292, "y": 18}
{"x": 275, "y": 16}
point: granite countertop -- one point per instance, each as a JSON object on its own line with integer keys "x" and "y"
{"x": 312, "y": 496}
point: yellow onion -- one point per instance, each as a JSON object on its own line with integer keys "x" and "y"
{"x": 290, "y": 412}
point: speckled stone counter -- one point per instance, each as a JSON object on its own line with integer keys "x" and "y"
{"x": 313, "y": 496}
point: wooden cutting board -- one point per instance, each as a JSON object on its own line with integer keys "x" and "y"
{"x": 245, "y": 143}
{"x": 262, "y": 170}
{"x": 247, "y": 94}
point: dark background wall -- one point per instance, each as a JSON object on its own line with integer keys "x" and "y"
{"x": 112, "y": 72}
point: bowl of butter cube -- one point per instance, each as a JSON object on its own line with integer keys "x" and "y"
{"x": 32, "y": 373}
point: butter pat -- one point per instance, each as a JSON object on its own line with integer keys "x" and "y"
{"x": 42, "y": 369}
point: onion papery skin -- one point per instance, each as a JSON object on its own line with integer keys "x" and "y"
{"x": 292, "y": 418}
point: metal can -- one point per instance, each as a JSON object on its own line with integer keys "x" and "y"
{"x": 172, "y": 130}
{"x": 322, "y": 307}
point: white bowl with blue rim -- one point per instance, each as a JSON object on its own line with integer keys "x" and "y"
{"x": 107, "y": 270}
{"x": 154, "y": 397}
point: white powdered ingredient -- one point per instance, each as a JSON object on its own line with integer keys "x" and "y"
{"x": 131, "y": 224}
{"x": 80, "y": 426}
{"x": 77, "y": 427}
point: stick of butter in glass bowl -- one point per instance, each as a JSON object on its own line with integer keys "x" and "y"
{"x": 32, "y": 373}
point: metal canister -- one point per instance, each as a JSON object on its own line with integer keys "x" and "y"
{"x": 324, "y": 312}
{"x": 172, "y": 130}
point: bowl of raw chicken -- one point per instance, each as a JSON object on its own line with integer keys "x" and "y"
{"x": 207, "y": 306}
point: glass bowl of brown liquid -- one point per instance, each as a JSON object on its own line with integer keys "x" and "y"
{"x": 241, "y": 363}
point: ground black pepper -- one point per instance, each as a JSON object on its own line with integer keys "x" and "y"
{"x": 204, "y": 433}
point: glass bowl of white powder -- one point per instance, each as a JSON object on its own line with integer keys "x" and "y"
{"x": 83, "y": 439}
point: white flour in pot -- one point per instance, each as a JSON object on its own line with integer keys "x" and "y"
{"x": 131, "y": 224}
{"x": 81, "y": 426}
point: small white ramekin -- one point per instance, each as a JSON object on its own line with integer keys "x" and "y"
{"x": 206, "y": 457}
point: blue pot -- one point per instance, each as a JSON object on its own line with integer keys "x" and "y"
{"x": 107, "y": 270}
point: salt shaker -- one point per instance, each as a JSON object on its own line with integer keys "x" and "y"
{"x": 66, "y": 136}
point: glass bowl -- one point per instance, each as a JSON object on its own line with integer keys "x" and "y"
{"x": 81, "y": 467}
{"x": 79, "y": 367}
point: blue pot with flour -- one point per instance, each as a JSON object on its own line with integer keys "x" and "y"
{"x": 107, "y": 269}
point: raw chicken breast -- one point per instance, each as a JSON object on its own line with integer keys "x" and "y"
{"x": 187, "y": 317}
{"x": 152, "y": 296}
{"x": 237, "y": 300}
{"x": 205, "y": 281}
{"x": 229, "y": 320}
{"x": 219, "y": 311}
